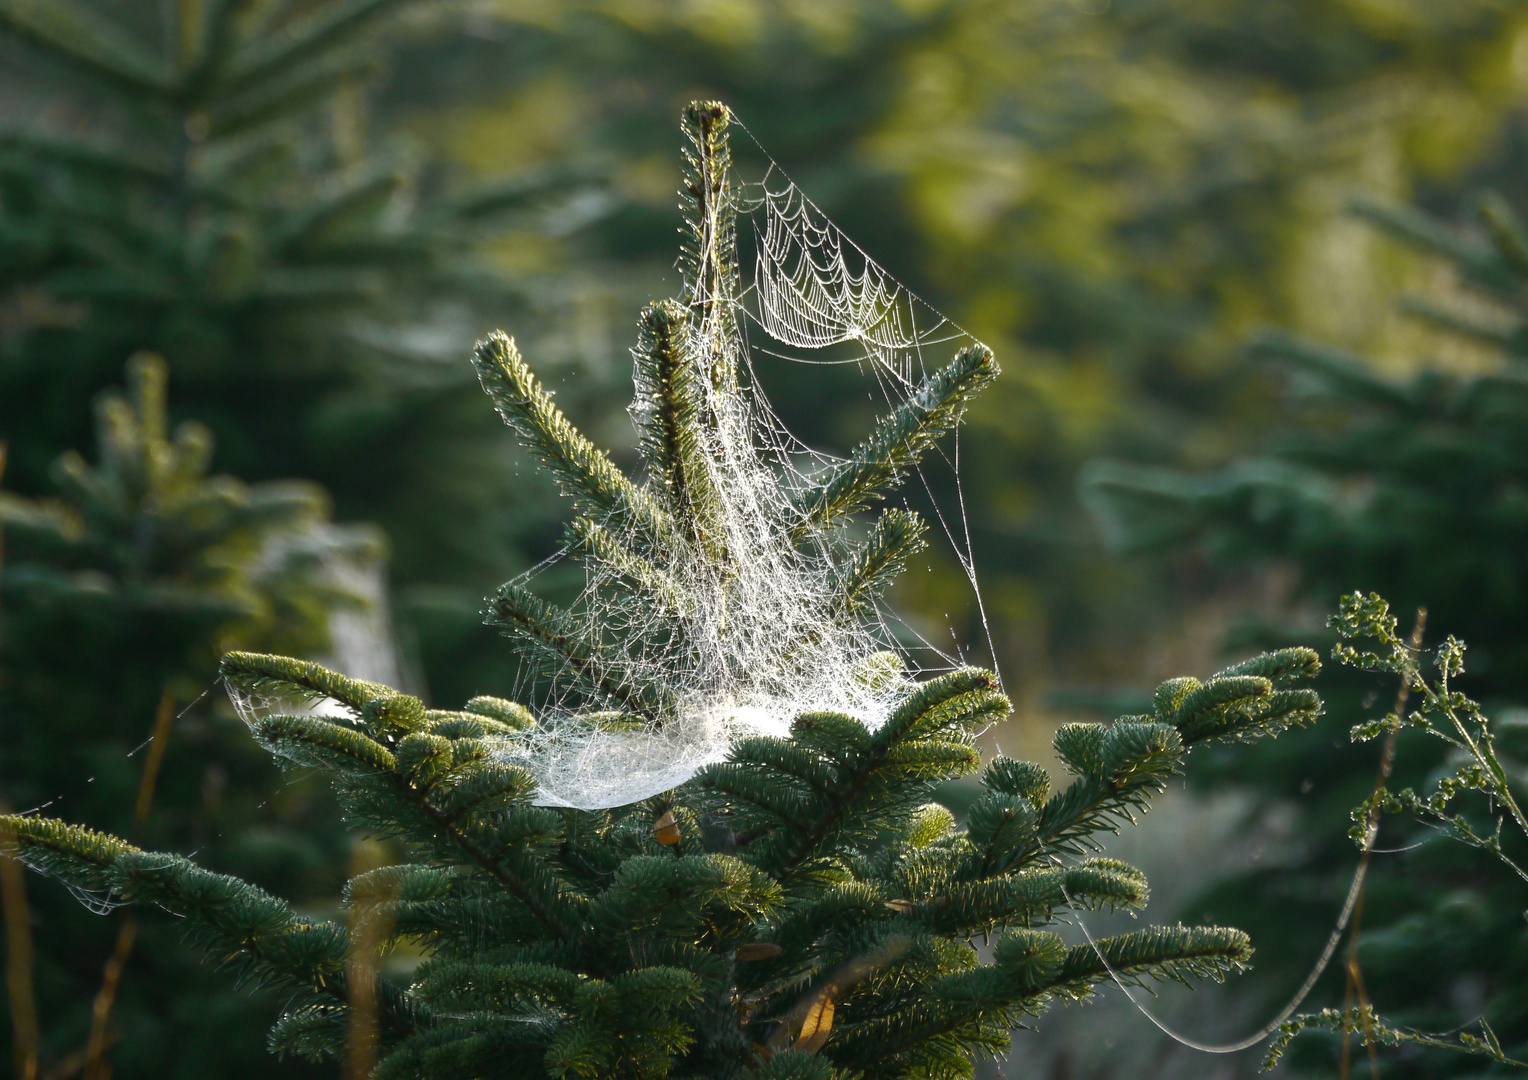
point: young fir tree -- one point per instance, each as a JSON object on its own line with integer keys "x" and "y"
{"x": 117, "y": 596}
{"x": 798, "y": 910}
{"x": 1412, "y": 489}
{"x": 198, "y": 180}
{"x": 204, "y": 180}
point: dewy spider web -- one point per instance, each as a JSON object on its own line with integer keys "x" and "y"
{"x": 814, "y": 289}
{"x": 747, "y": 649}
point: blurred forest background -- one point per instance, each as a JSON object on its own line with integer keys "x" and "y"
{"x": 309, "y": 209}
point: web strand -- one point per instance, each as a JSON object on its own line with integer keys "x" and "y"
{"x": 1355, "y": 890}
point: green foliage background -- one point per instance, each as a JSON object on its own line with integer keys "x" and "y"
{"x": 1114, "y": 200}
{"x": 1112, "y": 195}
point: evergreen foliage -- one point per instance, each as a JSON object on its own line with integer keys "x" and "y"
{"x": 147, "y": 541}
{"x": 1412, "y": 489}
{"x": 143, "y": 569}
{"x": 800, "y": 910}
{"x": 198, "y": 180}
{"x": 806, "y": 913}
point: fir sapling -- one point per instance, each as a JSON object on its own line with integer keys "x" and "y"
{"x": 792, "y": 906}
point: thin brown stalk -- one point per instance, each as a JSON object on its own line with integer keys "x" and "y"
{"x": 18, "y": 960}
{"x": 1354, "y": 987}
{"x": 159, "y": 739}
{"x": 370, "y": 925}
{"x": 18, "y": 933}
{"x": 1365, "y": 1011}
{"x": 97, "y": 1063}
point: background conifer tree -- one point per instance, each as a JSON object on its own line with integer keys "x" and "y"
{"x": 197, "y": 180}
{"x": 800, "y": 910}
{"x": 204, "y": 180}
{"x": 117, "y": 595}
{"x": 1411, "y": 488}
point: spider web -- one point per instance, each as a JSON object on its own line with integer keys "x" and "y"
{"x": 814, "y": 288}
{"x": 747, "y": 648}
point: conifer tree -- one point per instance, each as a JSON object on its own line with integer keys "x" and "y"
{"x": 196, "y": 180}
{"x": 1410, "y": 488}
{"x": 799, "y": 910}
{"x": 205, "y": 180}
{"x": 117, "y": 596}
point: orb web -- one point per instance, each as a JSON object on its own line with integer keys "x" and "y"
{"x": 746, "y": 646}
{"x": 814, "y": 289}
